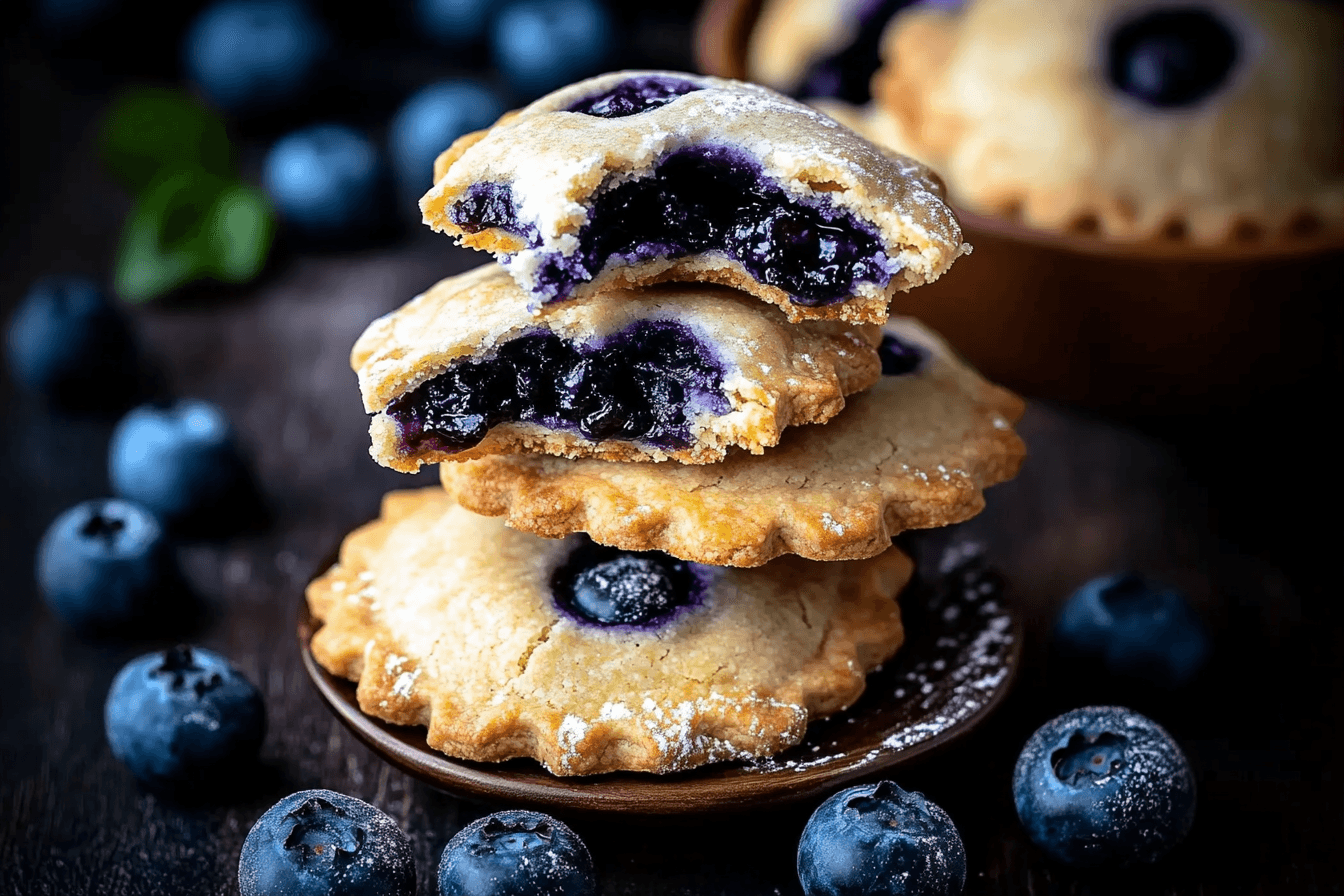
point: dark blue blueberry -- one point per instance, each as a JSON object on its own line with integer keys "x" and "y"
{"x": 68, "y": 343}
{"x": 327, "y": 181}
{"x": 634, "y": 95}
{"x": 1103, "y": 786}
{"x": 250, "y": 56}
{"x": 898, "y": 356}
{"x": 322, "y": 843}
{"x": 645, "y": 383}
{"x": 431, "y": 120}
{"x": 183, "y": 719}
{"x": 179, "y": 461}
{"x": 1172, "y": 57}
{"x": 106, "y": 565}
{"x": 704, "y": 199}
{"x": 879, "y": 840}
{"x": 610, "y": 586}
{"x": 516, "y": 854}
{"x": 540, "y": 45}
{"x": 454, "y": 23}
{"x": 1133, "y": 629}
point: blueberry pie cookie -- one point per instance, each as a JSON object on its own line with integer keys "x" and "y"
{"x": 641, "y": 177}
{"x": 592, "y": 659}
{"x": 1201, "y": 119}
{"x": 915, "y": 451}
{"x": 676, "y": 372}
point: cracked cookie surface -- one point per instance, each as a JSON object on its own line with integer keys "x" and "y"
{"x": 915, "y": 451}
{"x": 634, "y": 178}
{"x": 449, "y": 620}
{"x": 677, "y": 372}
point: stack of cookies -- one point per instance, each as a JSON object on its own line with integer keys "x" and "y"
{"x": 676, "y": 434}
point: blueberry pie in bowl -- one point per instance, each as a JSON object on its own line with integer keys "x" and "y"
{"x": 591, "y": 659}
{"x": 635, "y": 178}
{"x": 677, "y": 372}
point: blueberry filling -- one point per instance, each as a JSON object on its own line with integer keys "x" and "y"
{"x": 645, "y": 383}
{"x": 608, "y": 586}
{"x": 1089, "y": 759}
{"x": 634, "y": 95}
{"x": 703, "y": 199}
{"x": 898, "y": 356}
{"x": 1170, "y": 58}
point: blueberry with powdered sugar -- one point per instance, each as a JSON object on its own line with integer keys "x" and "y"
{"x": 516, "y": 853}
{"x": 323, "y": 843}
{"x": 880, "y": 840}
{"x": 608, "y": 586}
{"x": 1104, "y": 785}
{"x": 636, "y": 178}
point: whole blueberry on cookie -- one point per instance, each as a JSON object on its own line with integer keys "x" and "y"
{"x": 67, "y": 342}
{"x": 1104, "y": 785}
{"x": 609, "y": 586}
{"x": 327, "y": 181}
{"x": 106, "y": 565}
{"x": 251, "y": 56}
{"x": 183, "y": 719}
{"x": 516, "y": 853}
{"x": 322, "y": 843}
{"x": 880, "y": 840}
{"x": 1133, "y": 628}
{"x": 1170, "y": 58}
{"x": 180, "y": 461}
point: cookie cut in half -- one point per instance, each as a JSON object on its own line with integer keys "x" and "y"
{"x": 592, "y": 659}
{"x": 680, "y": 372}
{"x": 635, "y": 178}
{"x": 915, "y": 451}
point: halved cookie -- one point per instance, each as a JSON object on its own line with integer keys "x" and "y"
{"x": 591, "y": 659}
{"x": 640, "y": 177}
{"x": 915, "y": 451}
{"x": 679, "y": 373}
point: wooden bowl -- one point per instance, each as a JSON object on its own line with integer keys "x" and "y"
{"x": 961, "y": 654}
{"x": 1141, "y": 329}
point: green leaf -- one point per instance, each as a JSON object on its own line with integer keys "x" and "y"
{"x": 189, "y": 225}
{"x": 148, "y": 130}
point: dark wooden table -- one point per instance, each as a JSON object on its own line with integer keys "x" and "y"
{"x": 1236, "y": 509}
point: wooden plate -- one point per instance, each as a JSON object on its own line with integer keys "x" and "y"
{"x": 963, "y": 645}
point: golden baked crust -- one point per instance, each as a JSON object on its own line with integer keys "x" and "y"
{"x": 915, "y": 451}
{"x": 556, "y": 161}
{"x": 790, "y": 35}
{"x": 1009, "y": 100}
{"x": 776, "y": 374}
{"x": 446, "y": 620}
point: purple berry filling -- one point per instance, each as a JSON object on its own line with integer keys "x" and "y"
{"x": 645, "y": 383}
{"x": 898, "y": 356}
{"x": 608, "y": 587}
{"x": 634, "y": 95}
{"x": 703, "y": 199}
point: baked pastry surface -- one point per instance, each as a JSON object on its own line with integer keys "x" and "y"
{"x": 680, "y": 372}
{"x": 915, "y": 451}
{"x": 452, "y": 621}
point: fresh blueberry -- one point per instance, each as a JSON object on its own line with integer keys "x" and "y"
{"x": 1103, "y": 785}
{"x": 516, "y": 854}
{"x": 105, "y": 565}
{"x": 179, "y": 461}
{"x": 1170, "y": 58}
{"x": 322, "y": 843}
{"x": 1133, "y": 629}
{"x": 879, "y": 840}
{"x": 453, "y": 23}
{"x": 250, "y": 56}
{"x": 540, "y": 45}
{"x": 183, "y": 719}
{"x": 327, "y": 181}
{"x": 609, "y": 586}
{"x": 431, "y": 120}
{"x": 68, "y": 343}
